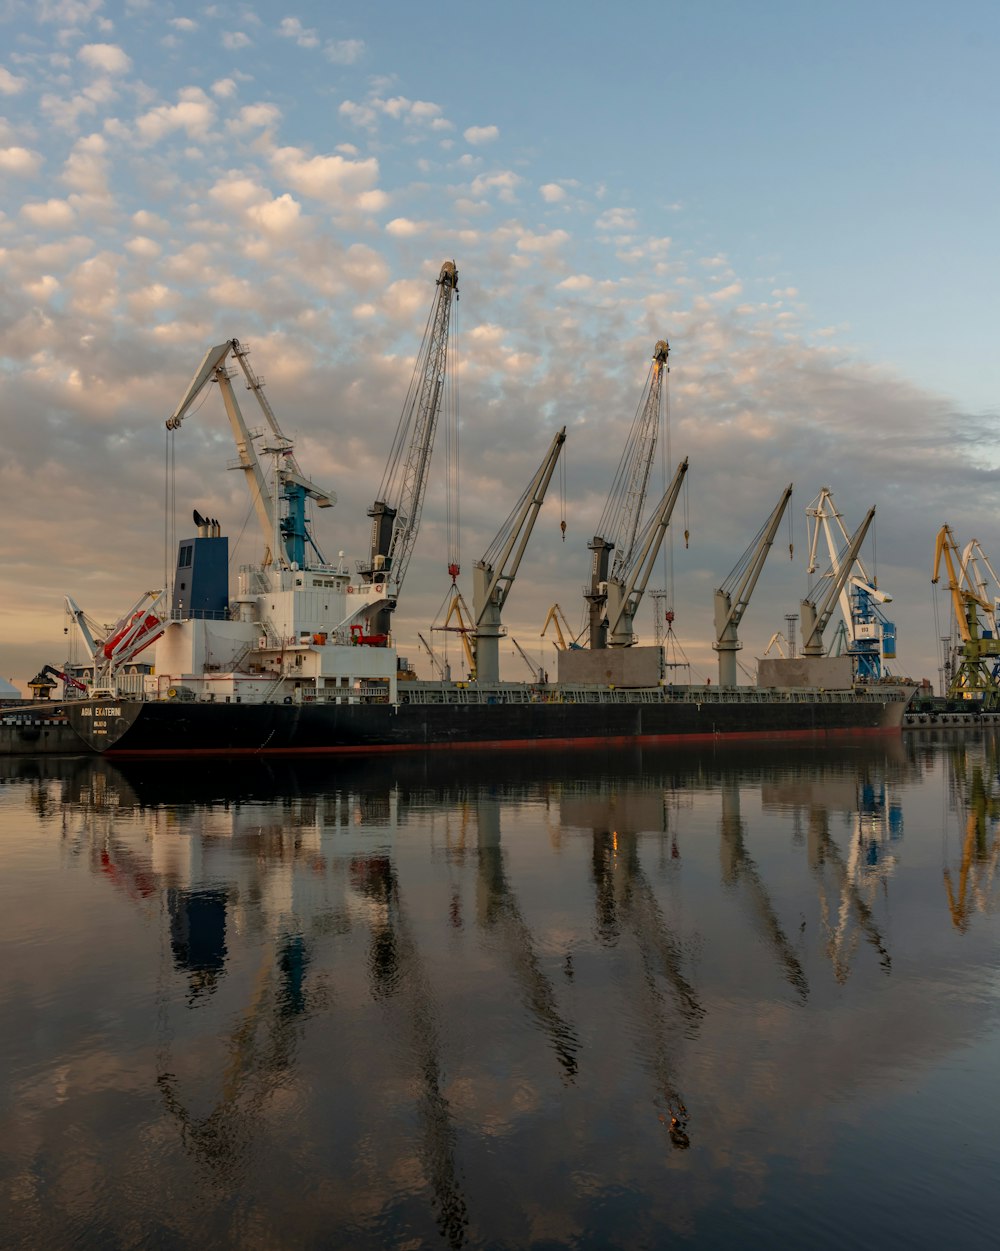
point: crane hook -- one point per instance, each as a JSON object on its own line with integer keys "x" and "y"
{"x": 687, "y": 535}
{"x": 562, "y": 527}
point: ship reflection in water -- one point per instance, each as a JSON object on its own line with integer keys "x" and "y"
{"x": 716, "y": 997}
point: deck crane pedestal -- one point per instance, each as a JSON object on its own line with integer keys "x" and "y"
{"x": 733, "y": 598}
{"x": 972, "y": 676}
{"x": 396, "y": 511}
{"x": 618, "y": 527}
{"x": 494, "y": 575}
{"x": 815, "y": 616}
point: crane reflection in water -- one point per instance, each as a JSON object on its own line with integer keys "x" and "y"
{"x": 339, "y": 981}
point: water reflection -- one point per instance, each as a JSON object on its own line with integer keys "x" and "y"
{"x": 394, "y": 1004}
{"x": 974, "y": 774}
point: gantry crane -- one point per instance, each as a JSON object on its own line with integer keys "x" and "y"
{"x": 494, "y": 575}
{"x": 281, "y": 510}
{"x": 871, "y": 636}
{"x": 396, "y": 511}
{"x": 815, "y": 616}
{"x": 624, "y": 592}
{"x": 733, "y": 598}
{"x": 973, "y": 676}
{"x": 618, "y": 527}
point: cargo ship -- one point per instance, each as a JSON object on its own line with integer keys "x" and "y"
{"x": 428, "y": 716}
{"x": 299, "y": 657}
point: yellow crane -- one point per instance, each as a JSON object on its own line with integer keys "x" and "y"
{"x": 973, "y": 678}
{"x": 557, "y": 618}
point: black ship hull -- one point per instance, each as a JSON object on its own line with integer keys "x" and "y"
{"x": 175, "y": 727}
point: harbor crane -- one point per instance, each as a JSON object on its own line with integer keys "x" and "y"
{"x": 871, "y": 637}
{"x": 973, "y": 675}
{"x": 816, "y": 616}
{"x": 618, "y": 528}
{"x": 281, "y": 512}
{"x": 624, "y": 593}
{"x": 493, "y": 575}
{"x": 396, "y": 511}
{"x": 733, "y": 598}
{"x": 557, "y": 618}
{"x": 975, "y": 567}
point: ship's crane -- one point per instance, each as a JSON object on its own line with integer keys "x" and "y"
{"x": 618, "y": 527}
{"x": 733, "y": 598}
{"x": 972, "y": 677}
{"x": 281, "y": 512}
{"x": 438, "y": 667}
{"x": 815, "y": 616}
{"x": 537, "y": 674}
{"x": 44, "y": 682}
{"x": 396, "y": 511}
{"x": 624, "y": 593}
{"x": 493, "y": 576}
{"x": 132, "y": 633}
{"x": 871, "y": 636}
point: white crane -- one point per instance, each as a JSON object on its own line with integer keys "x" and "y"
{"x": 618, "y": 528}
{"x": 733, "y": 598}
{"x": 871, "y": 636}
{"x": 397, "y": 508}
{"x": 815, "y": 616}
{"x": 282, "y": 520}
{"x": 493, "y": 576}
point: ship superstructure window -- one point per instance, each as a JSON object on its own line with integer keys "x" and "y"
{"x": 184, "y": 559}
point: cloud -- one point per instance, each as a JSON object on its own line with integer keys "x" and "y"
{"x": 68, "y": 12}
{"x": 10, "y": 84}
{"x": 106, "y": 57}
{"x": 505, "y": 182}
{"x": 50, "y": 215}
{"x": 335, "y": 180}
{"x": 194, "y": 113}
{"x": 292, "y": 28}
{"x": 224, "y": 88}
{"x": 22, "y": 162}
{"x": 234, "y": 40}
{"x": 404, "y": 228}
{"x": 481, "y": 134}
{"x": 185, "y": 24}
{"x": 617, "y": 219}
{"x": 86, "y": 168}
{"x": 536, "y": 243}
{"x": 552, "y": 193}
{"x": 278, "y": 217}
{"x": 260, "y": 116}
{"x": 344, "y": 51}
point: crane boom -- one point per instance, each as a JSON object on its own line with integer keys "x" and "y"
{"x": 624, "y": 597}
{"x": 618, "y": 527}
{"x": 396, "y": 512}
{"x": 494, "y": 575}
{"x": 286, "y": 532}
{"x": 815, "y": 617}
{"x": 733, "y": 597}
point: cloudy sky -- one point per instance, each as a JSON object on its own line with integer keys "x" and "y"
{"x": 800, "y": 198}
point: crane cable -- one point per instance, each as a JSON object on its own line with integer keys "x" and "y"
{"x": 451, "y": 428}
{"x": 562, "y": 493}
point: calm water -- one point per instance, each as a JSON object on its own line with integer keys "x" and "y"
{"x": 720, "y": 998}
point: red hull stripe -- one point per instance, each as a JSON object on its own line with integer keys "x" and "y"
{"x": 508, "y": 744}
